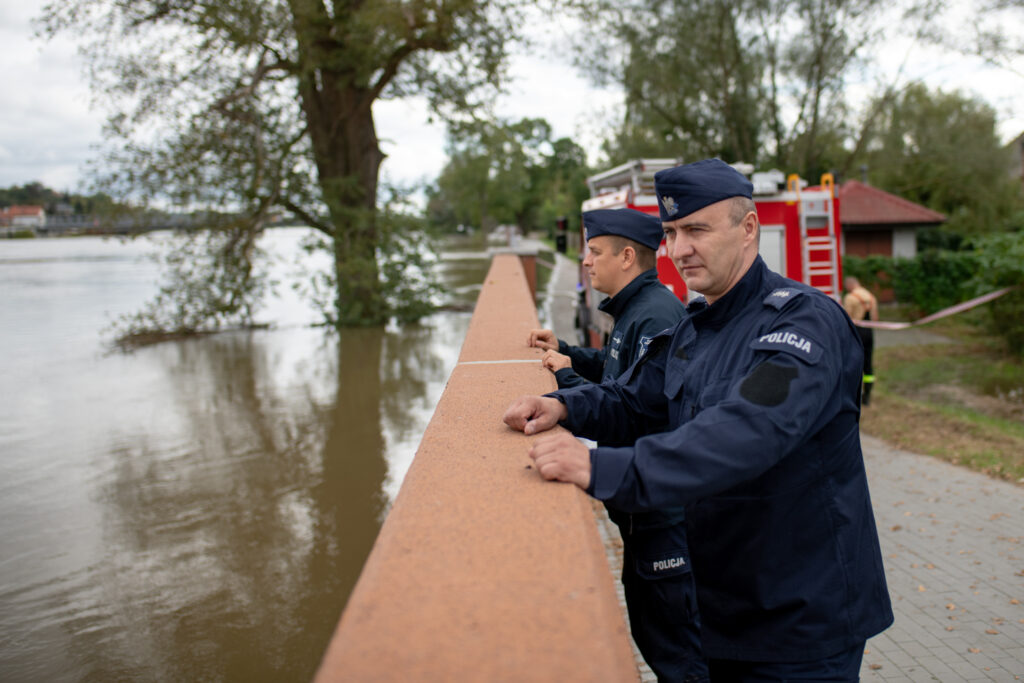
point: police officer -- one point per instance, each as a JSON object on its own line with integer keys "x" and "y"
{"x": 622, "y": 247}
{"x": 747, "y": 414}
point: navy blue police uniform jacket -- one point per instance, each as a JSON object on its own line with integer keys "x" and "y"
{"x": 641, "y": 310}
{"x": 747, "y": 414}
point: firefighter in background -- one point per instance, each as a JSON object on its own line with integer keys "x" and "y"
{"x": 622, "y": 248}
{"x": 746, "y": 413}
{"x": 661, "y": 600}
{"x": 861, "y": 304}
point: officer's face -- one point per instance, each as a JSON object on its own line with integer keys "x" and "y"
{"x": 603, "y": 265}
{"x": 710, "y": 251}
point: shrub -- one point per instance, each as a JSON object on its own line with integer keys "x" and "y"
{"x": 935, "y": 279}
{"x": 1001, "y": 264}
{"x": 932, "y": 281}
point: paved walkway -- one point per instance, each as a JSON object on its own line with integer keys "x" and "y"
{"x": 953, "y": 543}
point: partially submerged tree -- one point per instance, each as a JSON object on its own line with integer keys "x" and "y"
{"x": 255, "y": 108}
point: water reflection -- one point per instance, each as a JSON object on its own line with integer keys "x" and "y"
{"x": 200, "y": 510}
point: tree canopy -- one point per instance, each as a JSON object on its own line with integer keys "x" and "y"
{"x": 512, "y": 173}
{"x": 760, "y": 81}
{"x": 941, "y": 149}
{"x": 262, "y": 106}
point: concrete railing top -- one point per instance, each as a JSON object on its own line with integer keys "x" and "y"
{"x": 482, "y": 571}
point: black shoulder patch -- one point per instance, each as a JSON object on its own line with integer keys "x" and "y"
{"x": 768, "y": 384}
{"x": 782, "y": 296}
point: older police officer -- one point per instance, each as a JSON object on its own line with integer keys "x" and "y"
{"x": 621, "y": 256}
{"x": 747, "y": 413}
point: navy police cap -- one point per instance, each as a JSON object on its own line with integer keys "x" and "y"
{"x": 685, "y": 189}
{"x": 636, "y": 225}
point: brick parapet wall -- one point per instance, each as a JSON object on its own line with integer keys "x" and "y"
{"x": 482, "y": 571}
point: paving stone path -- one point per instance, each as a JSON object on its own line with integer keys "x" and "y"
{"x": 953, "y": 544}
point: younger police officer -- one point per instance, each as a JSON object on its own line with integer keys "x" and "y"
{"x": 622, "y": 248}
{"x": 747, "y": 414}
{"x": 661, "y": 600}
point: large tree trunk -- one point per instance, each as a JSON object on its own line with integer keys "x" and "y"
{"x": 339, "y": 117}
{"x": 348, "y": 161}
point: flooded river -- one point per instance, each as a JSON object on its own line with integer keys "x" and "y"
{"x": 194, "y": 510}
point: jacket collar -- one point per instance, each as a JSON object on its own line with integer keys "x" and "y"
{"x": 723, "y": 310}
{"x": 615, "y": 305}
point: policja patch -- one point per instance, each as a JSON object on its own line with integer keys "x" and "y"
{"x": 791, "y": 342}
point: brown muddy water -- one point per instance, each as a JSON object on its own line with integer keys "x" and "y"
{"x": 194, "y": 510}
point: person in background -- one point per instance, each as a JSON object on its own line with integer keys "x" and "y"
{"x": 746, "y": 414}
{"x": 861, "y": 304}
{"x": 622, "y": 247}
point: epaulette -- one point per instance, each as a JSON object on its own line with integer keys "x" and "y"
{"x": 782, "y": 296}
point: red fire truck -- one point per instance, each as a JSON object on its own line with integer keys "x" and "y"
{"x": 800, "y": 233}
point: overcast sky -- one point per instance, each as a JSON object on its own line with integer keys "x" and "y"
{"x": 48, "y": 128}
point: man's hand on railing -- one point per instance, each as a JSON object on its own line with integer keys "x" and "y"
{"x": 554, "y": 361}
{"x": 544, "y": 339}
{"x": 562, "y": 457}
{"x": 532, "y": 414}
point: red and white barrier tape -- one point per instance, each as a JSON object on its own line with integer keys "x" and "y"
{"x": 882, "y": 325}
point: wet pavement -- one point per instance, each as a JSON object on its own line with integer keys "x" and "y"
{"x": 952, "y": 541}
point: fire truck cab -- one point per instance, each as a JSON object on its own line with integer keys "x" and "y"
{"x": 800, "y": 233}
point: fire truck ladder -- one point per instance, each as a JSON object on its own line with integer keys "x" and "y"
{"x": 818, "y": 214}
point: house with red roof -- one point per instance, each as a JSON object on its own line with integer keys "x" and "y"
{"x": 21, "y": 217}
{"x": 878, "y": 223}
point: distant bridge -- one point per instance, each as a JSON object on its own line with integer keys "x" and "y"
{"x": 81, "y": 223}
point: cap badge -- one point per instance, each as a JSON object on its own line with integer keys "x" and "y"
{"x": 670, "y": 205}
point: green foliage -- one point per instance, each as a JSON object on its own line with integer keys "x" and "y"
{"x": 1001, "y": 264}
{"x": 508, "y": 173}
{"x": 935, "y": 279}
{"x": 874, "y": 272}
{"x": 930, "y": 282}
{"x": 35, "y": 194}
{"x": 211, "y": 282}
{"x": 942, "y": 150}
{"x": 761, "y": 82}
{"x": 52, "y": 201}
{"x": 405, "y": 260}
{"x": 265, "y": 107}
{"x": 938, "y": 279}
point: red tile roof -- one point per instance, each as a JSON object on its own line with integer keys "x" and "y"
{"x": 22, "y": 210}
{"x": 862, "y": 204}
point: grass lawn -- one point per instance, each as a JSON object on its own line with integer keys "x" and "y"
{"x": 961, "y": 401}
